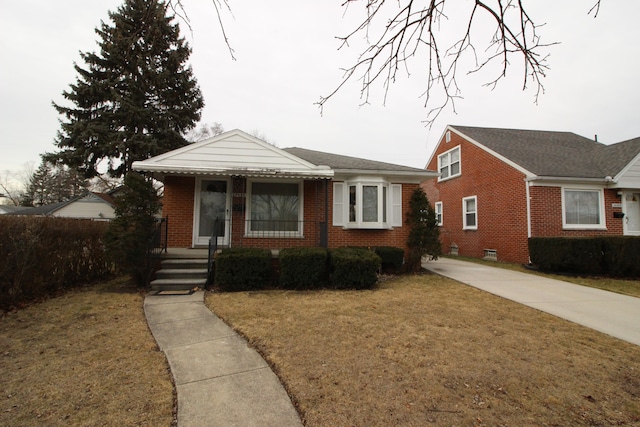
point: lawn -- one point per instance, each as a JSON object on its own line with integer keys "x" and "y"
{"x": 84, "y": 358}
{"x": 425, "y": 350}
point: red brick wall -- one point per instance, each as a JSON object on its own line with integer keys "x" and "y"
{"x": 177, "y": 205}
{"x": 546, "y": 214}
{"x": 501, "y": 203}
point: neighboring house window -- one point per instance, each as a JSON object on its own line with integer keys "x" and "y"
{"x": 367, "y": 204}
{"x": 438, "y": 208}
{"x": 582, "y": 208}
{"x": 470, "y": 213}
{"x": 275, "y": 209}
{"x": 449, "y": 164}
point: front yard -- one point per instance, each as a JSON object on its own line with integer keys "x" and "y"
{"x": 423, "y": 350}
{"x": 418, "y": 350}
{"x": 85, "y": 358}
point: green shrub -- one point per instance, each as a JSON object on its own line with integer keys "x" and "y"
{"x": 614, "y": 256}
{"x": 242, "y": 269}
{"x": 353, "y": 268}
{"x": 622, "y": 256}
{"x": 303, "y": 268}
{"x": 41, "y": 256}
{"x": 392, "y": 258}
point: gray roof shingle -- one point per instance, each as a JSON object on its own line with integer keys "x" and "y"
{"x": 558, "y": 154}
{"x": 340, "y": 162}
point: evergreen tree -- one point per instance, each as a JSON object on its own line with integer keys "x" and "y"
{"x": 424, "y": 234}
{"x": 53, "y": 184}
{"x": 135, "y": 99}
{"x": 127, "y": 239}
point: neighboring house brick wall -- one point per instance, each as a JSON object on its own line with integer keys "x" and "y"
{"x": 177, "y": 205}
{"x": 546, "y": 214}
{"x": 501, "y": 203}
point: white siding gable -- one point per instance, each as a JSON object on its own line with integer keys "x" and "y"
{"x": 630, "y": 175}
{"x": 86, "y": 207}
{"x": 233, "y": 151}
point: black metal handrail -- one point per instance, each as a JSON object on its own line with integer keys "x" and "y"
{"x": 156, "y": 245}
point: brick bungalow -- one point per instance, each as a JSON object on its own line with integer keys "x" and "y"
{"x": 243, "y": 191}
{"x": 497, "y": 187}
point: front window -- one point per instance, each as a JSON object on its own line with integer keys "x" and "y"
{"x": 368, "y": 205}
{"x": 275, "y": 208}
{"x": 449, "y": 164}
{"x": 582, "y": 208}
{"x": 470, "y": 213}
{"x": 438, "y": 208}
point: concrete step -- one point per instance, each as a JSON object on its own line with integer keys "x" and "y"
{"x": 181, "y": 273}
{"x": 177, "y": 284}
{"x": 184, "y": 263}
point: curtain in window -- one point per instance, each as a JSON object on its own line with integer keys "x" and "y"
{"x": 369, "y": 203}
{"x": 274, "y": 206}
{"x": 582, "y": 207}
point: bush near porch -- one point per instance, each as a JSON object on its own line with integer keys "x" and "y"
{"x": 242, "y": 269}
{"x": 615, "y": 256}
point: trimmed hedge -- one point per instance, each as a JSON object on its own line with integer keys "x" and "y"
{"x": 617, "y": 256}
{"x": 392, "y": 258}
{"x": 243, "y": 269}
{"x": 353, "y": 268}
{"x": 41, "y": 256}
{"x": 303, "y": 268}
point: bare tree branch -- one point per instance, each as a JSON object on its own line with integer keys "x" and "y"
{"x": 414, "y": 27}
{"x": 179, "y": 11}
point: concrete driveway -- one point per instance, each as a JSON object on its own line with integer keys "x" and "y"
{"x": 614, "y": 314}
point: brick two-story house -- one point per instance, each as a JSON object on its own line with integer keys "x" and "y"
{"x": 245, "y": 192}
{"x": 497, "y": 187}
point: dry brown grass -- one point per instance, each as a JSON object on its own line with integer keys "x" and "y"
{"x": 423, "y": 350}
{"x": 85, "y": 358}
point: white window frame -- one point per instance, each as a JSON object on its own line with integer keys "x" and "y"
{"x": 389, "y": 214}
{"x": 274, "y": 234}
{"x": 444, "y": 161}
{"x": 438, "y": 208}
{"x": 465, "y": 226}
{"x": 602, "y": 225}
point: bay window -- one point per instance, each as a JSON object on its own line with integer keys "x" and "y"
{"x": 361, "y": 204}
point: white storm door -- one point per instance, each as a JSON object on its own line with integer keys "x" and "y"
{"x": 632, "y": 214}
{"x": 211, "y": 211}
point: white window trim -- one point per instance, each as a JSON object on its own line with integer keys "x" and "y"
{"x": 341, "y": 205}
{"x": 448, "y": 153}
{"x": 602, "y": 213}
{"x": 464, "y": 213}
{"x": 275, "y": 234}
{"x": 439, "y": 212}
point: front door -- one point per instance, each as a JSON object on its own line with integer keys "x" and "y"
{"x": 632, "y": 214}
{"x": 211, "y": 212}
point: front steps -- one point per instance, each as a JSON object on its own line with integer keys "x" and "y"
{"x": 181, "y": 270}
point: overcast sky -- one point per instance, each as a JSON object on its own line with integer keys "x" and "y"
{"x": 287, "y": 57}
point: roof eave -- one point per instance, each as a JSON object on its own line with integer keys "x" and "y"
{"x": 407, "y": 176}
{"x": 320, "y": 173}
{"x": 573, "y": 179}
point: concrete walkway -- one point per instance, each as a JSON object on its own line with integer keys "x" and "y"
{"x": 220, "y": 380}
{"x": 614, "y": 314}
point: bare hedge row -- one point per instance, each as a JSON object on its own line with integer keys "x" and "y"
{"x": 42, "y": 256}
